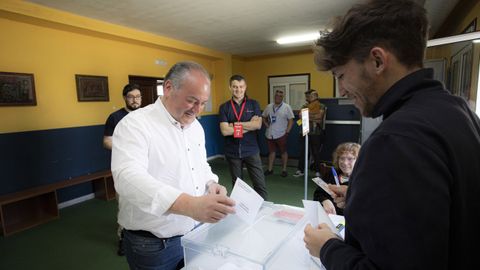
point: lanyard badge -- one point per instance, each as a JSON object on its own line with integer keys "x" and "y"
{"x": 237, "y": 130}
{"x": 273, "y": 118}
{"x": 237, "y": 127}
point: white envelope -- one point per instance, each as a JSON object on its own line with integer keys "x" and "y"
{"x": 247, "y": 201}
{"x": 317, "y": 215}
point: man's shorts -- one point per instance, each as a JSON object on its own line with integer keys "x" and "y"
{"x": 281, "y": 143}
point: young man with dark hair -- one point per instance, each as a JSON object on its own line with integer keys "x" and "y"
{"x": 133, "y": 100}
{"x": 240, "y": 118}
{"x": 412, "y": 202}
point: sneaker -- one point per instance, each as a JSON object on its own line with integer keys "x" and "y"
{"x": 268, "y": 172}
{"x": 284, "y": 174}
{"x": 298, "y": 174}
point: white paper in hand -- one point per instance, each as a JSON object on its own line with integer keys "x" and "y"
{"x": 319, "y": 181}
{"x": 247, "y": 201}
{"x": 316, "y": 214}
{"x": 339, "y": 222}
{"x": 311, "y": 211}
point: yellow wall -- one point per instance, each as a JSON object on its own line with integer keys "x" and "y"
{"x": 257, "y": 69}
{"x": 238, "y": 65}
{"x": 55, "y": 46}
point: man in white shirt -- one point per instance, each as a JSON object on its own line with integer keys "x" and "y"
{"x": 133, "y": 100}
{"x": 159, "y": 164}
{"x": 278, "y": 118}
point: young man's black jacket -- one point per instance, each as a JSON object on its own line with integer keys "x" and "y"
{"x": 414, "y": 195}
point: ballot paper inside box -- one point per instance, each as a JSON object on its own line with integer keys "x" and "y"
{"x": 233, "y": 244}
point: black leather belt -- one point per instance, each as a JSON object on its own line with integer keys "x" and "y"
{"x": 149, "y": 234}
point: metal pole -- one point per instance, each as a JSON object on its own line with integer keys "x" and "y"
{"x": 305, "y": 170}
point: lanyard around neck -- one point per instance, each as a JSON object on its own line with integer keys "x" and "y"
{"x": 278, "y": 108}
{"x": 238, "y": 116}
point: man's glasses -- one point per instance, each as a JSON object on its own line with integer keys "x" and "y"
{"x": 134, "y": 97}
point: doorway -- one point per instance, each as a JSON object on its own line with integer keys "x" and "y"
{"x": 150, "y": 87}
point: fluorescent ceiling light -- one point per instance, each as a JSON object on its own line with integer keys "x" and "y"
{"x": 453, "y": 39}
{"x": 298, "y": 39}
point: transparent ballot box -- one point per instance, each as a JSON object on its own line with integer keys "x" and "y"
{"x": 233, "y": 244}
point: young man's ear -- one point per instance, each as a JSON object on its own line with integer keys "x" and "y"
{"x": 380, "y": 58}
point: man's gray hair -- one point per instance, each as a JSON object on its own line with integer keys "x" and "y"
{"x": 179, "y": 71}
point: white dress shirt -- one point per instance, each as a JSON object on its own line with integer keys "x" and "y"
{"x": 154, "y": 160}
{"x": 282, "y": 113}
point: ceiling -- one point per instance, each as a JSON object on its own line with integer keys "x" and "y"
{"x": 243, "y": 28}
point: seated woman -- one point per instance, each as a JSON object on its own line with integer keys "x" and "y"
{"x": 344, "y": 158}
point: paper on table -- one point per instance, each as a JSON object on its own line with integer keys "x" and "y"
{"x": 288, "y": 215}
{"x": 247, "y": 201}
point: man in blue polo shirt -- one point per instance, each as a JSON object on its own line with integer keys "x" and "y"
{"x": 240, "y": 117}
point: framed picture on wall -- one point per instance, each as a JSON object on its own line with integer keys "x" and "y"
{"x": 92, "y": 88}
{"x": 17, "y": 89}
